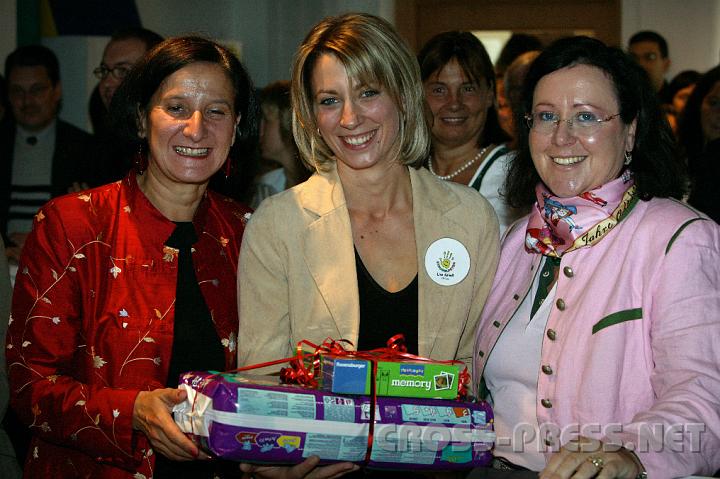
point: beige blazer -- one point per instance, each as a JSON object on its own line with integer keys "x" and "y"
{"x": 297, "y": 277}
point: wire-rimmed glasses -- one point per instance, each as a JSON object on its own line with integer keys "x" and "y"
{"x": 583, "y": 123}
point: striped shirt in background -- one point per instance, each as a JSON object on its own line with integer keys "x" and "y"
{"x": 31, "y": 176}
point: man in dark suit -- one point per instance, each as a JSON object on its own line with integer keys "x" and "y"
{"x": 41, "y": 156}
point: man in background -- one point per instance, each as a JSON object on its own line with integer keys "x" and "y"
{"x": 125, "y": 48}
{"x": 650, "y": 51}
{"x": 41, "y": 156}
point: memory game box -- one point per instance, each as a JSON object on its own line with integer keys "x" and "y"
{"x": 342, "y": 375}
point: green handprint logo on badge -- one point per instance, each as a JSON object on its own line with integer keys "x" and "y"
{"x": 447, "y": 262}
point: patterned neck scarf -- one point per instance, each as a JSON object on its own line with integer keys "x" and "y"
{"x": 560, "y": 225}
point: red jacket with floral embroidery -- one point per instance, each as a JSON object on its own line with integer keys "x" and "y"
{"x": 92, "y": 322}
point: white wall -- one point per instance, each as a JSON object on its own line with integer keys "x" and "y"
{"x": 691, "y": 28}
{"x": 268, "y": 31}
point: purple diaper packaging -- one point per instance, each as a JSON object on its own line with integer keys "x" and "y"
{"x": 252, "y": 418}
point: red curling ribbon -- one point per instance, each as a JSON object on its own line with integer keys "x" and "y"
{"x": 397, "y": 343}
{"x": 304, "y": 367}
{"x": 373, "y": 402}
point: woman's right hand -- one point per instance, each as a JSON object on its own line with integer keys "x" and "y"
{"x": 306, "y": 469}
{"x": 152, "y": 416}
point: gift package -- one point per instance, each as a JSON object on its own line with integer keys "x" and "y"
{"x": 256, "y": 419}
{"x": 343, "y": 375}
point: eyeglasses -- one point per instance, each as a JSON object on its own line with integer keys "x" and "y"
{"x": 583, "y": 123}
{"x": 118, "y": 72}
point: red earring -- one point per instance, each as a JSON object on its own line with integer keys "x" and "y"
{"x": 227, "y": 167}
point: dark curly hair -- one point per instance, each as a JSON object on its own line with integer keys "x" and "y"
{"x": 475, "y": 62}
{"x": 658, "y": 173}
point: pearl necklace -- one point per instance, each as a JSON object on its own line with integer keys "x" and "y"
{"x": 459, "y": 170}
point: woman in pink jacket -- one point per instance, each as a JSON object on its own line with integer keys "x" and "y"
{"x": 598, "y": 343}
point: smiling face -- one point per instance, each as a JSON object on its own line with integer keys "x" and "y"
{"x": 359, "y": 123}
{"x": 459, "y": 106}
{"x": 190, "y": 124}
{"x": 569, "y": 163}
{"x": 710, "y": 114}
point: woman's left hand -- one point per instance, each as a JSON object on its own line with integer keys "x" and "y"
{"x": 584, "y": 458}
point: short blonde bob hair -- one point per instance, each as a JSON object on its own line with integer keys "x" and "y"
{"x": 373, "y": 54}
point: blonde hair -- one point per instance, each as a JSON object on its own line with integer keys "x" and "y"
{"x": 372, "y": 53}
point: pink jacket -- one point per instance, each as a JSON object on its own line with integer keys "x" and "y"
{"x": 631, "y": 351}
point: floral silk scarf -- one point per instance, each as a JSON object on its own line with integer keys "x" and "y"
{"x": 560, "y": 225}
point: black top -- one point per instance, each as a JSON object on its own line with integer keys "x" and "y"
{"x": 196, "y": 347}
{"x": 384, "y": 314}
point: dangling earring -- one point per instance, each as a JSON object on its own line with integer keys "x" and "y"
{"x": 628, "y": 158}
{"x": 318, "y": 132}
{"x": 140, "y": 161}
{"x": 227, "y": 167}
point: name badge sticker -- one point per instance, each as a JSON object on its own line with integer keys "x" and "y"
{"x": 447, "y": 261}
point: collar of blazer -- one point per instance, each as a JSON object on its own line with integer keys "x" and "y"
{"x": 323, "y": 192}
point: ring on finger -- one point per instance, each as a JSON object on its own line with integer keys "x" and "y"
{"x": 597, "y": 462}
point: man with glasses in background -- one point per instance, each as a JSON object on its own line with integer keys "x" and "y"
{"x": 121, "y": 53}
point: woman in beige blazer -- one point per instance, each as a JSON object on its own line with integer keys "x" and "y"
{"x": 367, "y": 213}
{"x": 365, "y": 135}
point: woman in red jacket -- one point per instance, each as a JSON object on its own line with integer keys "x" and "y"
{"x": 123, "y": 287}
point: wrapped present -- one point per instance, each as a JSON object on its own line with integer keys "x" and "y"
{"x": 394, "y": 372}
{"x": 254, "y": 419}
{"x": 403, "y": 378}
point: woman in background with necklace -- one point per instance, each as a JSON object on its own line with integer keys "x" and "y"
{"x": 467, "y": 141}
